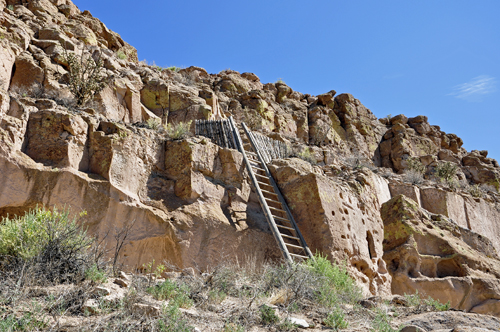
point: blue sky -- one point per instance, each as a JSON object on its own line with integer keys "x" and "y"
{"x": 438, "y": 58}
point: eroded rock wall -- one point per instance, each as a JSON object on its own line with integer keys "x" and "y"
{"x": 431, "y": 254}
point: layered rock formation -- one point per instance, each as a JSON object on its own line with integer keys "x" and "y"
{"x": 190, "y": 201}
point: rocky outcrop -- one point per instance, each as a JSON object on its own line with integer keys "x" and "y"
{"x": 191, "y": 202}
{"x": 339, "y": 220}
{"x": 430, "y": 254}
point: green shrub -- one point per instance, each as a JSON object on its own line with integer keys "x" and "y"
{"x": 86, "y": 76}
{"x": 48, "y": 243}
{"x": 287, "y": 325}
{"x": 120, "y": 55}
{"x": 179, "y": 130}
{"x": 446, "y": 171}
{"x": 174, "y": 68}
{"x": 168, "y": 290}
{"x": 337, "y": 284}
{"x": 437, "y": 305}
{"x": 26, "y": 237}
{"x": 171, "y": 321}
{"x": 10, "y": 7}
{"x": 279, "y": 80}
{"x": 336, "y": 319}
{"x": 95, "y": 274}
{"x": 382, "y": 322}
{"x": 415, "y": 165}
{"x": 153, "y": 123}
{"x": 413, "y": 300}
{"x": 475, "y": 191}
{"x": 268, "y": 315}
{"x": 32, "y": 320}
{"x": 215, "y": 296}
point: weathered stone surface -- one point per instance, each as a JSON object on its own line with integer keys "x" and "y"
{"x": 57, "y": 139}
{"x": 27, "y": 74}
{"x": 336, "y": 220}
{"x": 453, "y": 321}
{"x": 436, "y": 257}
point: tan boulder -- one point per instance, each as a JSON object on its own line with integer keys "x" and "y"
{"x": 443, "y": 202}
{"x": 407, "y": 189}
{"x": 338, "y": 221}
{"x": 123, "y": 157}
{"x": 362, "y": 129}
{"x": 27, "y": 74}
{"x": 57, "y": 139}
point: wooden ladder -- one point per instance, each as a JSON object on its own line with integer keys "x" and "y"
{"x": 278, "y": 215}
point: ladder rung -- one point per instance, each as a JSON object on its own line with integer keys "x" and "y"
{"x": 286, "y": 227}
{"x": 259, "y": 168}
{"x": 272, "y": 200}
{"x": 273, "y": 208}
{"x": 300, "y": 256}
{"x": 283, "y": 219}
{"x": 262, "y": 176}
{"x": 250, "y": 153}
{"x": 264, "y": 183}
{"x": 290, "y": 237}
{"x": 293, "y": 246}
{"x": 269, "y": 192}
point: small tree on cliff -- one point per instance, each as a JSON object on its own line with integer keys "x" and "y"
{"x": 85, "y": 75}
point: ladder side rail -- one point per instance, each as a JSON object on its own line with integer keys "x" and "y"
{"x": 281, "y": 198}
{"x": 262, "y": 200}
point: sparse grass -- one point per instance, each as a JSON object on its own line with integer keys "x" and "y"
{"x": 446, "y": 171}
{"x": 121, "y": 55}
{"x": 95, "y": 274}
{"x": 179, "y": 130}
{"x": 337, "y": 285}
{"x": 268, "y": 315}
{"x": 168, "y": 290}
{"x": 382, "y": 322}
{"x": 174, "y": 68}
{"x": 153, "y": 123}
{"x": 287, "y": 325}
{"x": 437, "y": 305}
{"x": 279, "y": 80}
{"x": 413, "y": 177}
{"x": 475, "y": 191}
{"x": 216, "y": 296}
{"x": 171, "y": 321}
{"x": 336, "y": 319}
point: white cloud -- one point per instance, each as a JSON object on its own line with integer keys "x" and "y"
{"x": 475, "y": 89}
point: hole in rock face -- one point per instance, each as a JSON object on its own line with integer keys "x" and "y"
{"x": 449, "y": 268}
{"x": 346, "y": 211}
{"x": 333, "y": 213}
{"x": 371, "y": 245}
{"x": 412, "y": 273}
{"x": 394, "y": 265}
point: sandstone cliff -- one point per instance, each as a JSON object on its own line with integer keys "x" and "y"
{"x": 191, "y": 202}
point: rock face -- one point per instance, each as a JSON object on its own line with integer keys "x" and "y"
{"x": 190, "y": 202}
{"x": 339, "y": 220}
{"x": 434, "y": 256}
